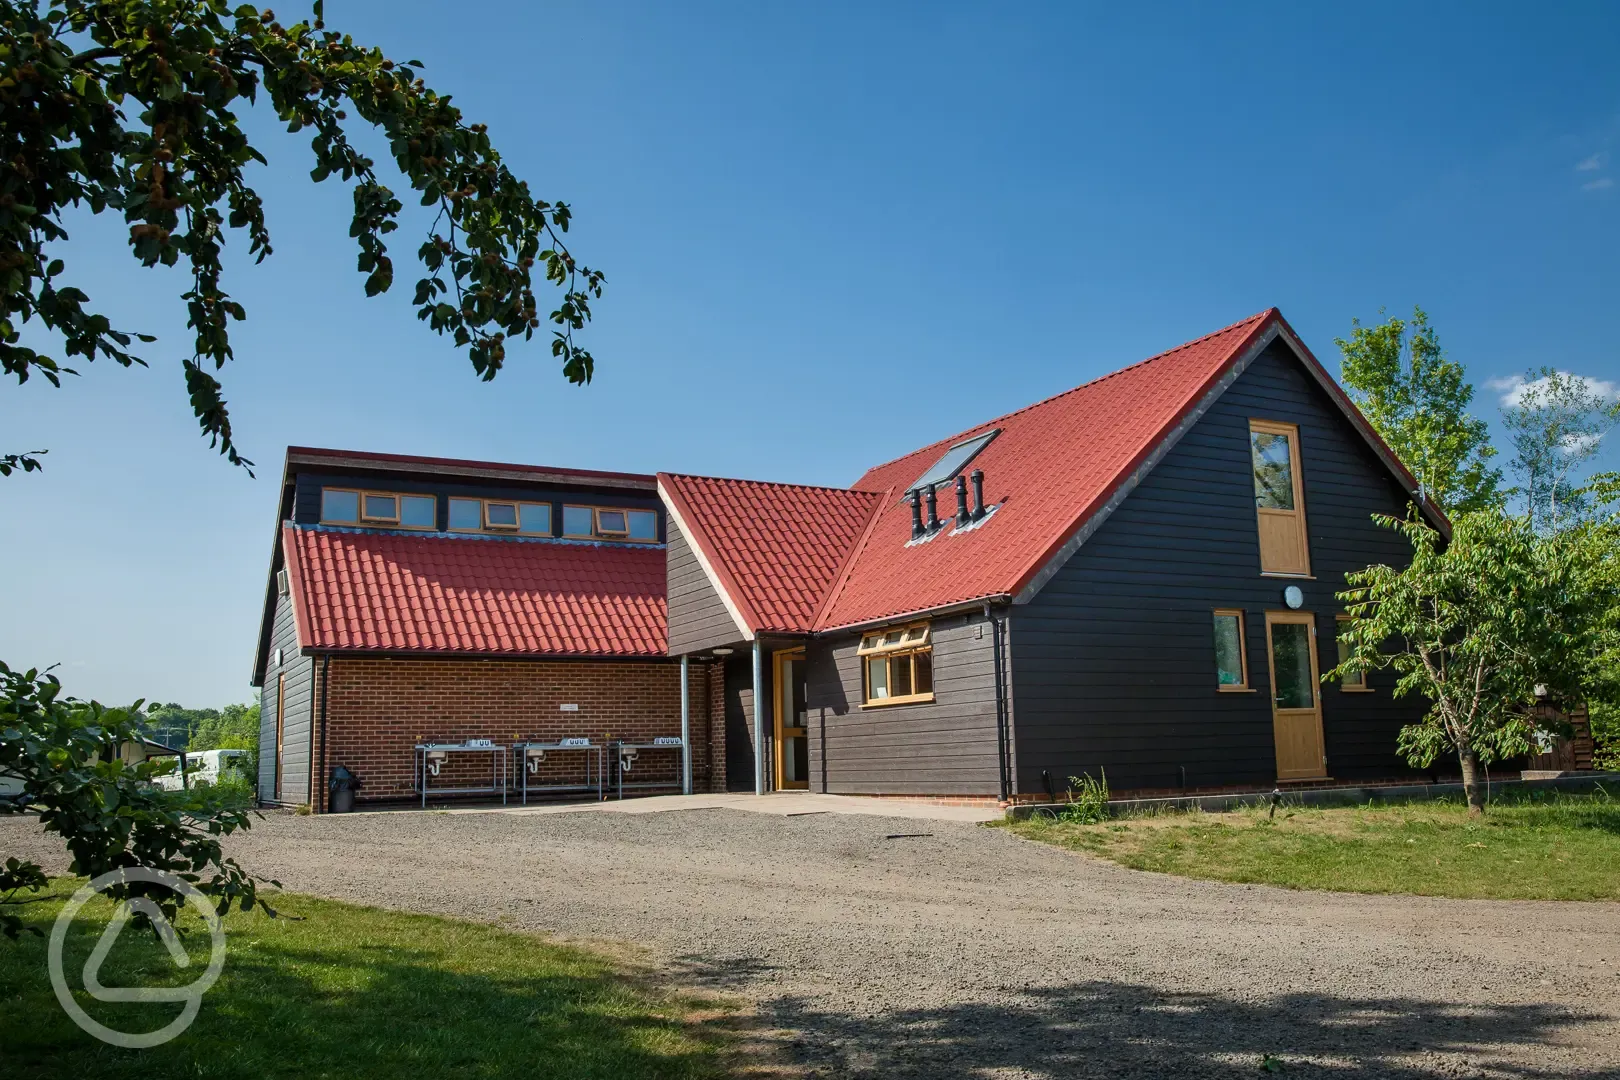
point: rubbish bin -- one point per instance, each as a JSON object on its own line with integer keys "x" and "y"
{"x": 343, "y": 786}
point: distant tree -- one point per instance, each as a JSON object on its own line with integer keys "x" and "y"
{"x": 1557, "y": 422}
{"x": 1418, "y": 401}
{"x": 1484, "y": 627}
{"x": 131, "y": 107}
{"x": 235, "y": 727}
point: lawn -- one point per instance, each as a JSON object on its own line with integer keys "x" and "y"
{"x": 348, "y": 991}
{"x": 1539, "y": 846}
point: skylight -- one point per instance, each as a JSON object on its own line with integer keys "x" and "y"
{"x": 953, "y": 461}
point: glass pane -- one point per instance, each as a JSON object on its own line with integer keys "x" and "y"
{"x": 900, "y": 675}
{"x": 1291, "y": 661}
{"x": 1273, "y": 471}
{"x": 381, "y": 508}
{"x": 340, "y": 505}
{"x": 892, "y": 637}
{"x": 925, "y": 673}
{"x": 577, "y": 521}
{"x": 643, "y": 525}
{"x": 418, "y": 510}
{"x": 535, "y": 518}
{"x": 1344, "y": 655}
{"x": 466, "y": 514}
{"x": 611, "y": 522}
{"x": 793, "y": 672}
{"x": 871, "y": 642}
{"x": 796, "y": 762}
{"x": 877, "y": 677}
{"x": 1228, "y": 650}
{"x": 501, "y": 515}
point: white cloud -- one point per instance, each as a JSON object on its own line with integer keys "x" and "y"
{"x": 1602, "y": 183}
{"x": 1578, "y": 444}
{"x": 1514, "y": 387}
{"x": 1591, "y": 164}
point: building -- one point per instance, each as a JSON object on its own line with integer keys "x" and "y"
{"x": 1135, "y": 577}
{"x": 415, "y": 601}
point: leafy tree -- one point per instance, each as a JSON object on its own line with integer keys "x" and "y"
{"x": 1557, "y": 422}
{"x": 66, "y": 755}
{"x": 1418, "y": 401}
{"x": 130, "y": 108}
{"x": 1484, "y": 627}
{"x": 235, "y": 727}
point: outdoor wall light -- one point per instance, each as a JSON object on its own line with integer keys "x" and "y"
{"x": 722, "y": 651}
{"x": 1294, "y": 597}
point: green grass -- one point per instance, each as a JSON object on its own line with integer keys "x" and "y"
{"x": 348, "y": 991}
{"x": 1537, "y": 846}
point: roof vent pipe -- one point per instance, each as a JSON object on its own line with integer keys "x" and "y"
{"x": 978, "y": 494}
{"x": 933, "y": 510}
{"x": 916, "y": 514}
{"x": 962, "y": 517}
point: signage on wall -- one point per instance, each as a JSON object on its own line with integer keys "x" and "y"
{"x": 569, "y": 708}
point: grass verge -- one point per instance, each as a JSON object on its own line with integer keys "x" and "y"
{"x": 1531, "y": 846}
{"x": 349, "y": 991}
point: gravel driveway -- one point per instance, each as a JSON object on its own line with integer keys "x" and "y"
{"x": 877, "y": 952}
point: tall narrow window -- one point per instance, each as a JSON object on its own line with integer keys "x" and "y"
{"x": 1231, "y": 652}
{"x": 1279, "y": 498}
{"x": 1356, "y": 683}
{"x": 897, "y": 665}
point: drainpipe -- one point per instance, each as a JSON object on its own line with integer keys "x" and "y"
{"x": 686, "y": 728}
{"x": 1003, "y": 736}
{"x": 759, "y": 723}
{"x": 326, "y": 671}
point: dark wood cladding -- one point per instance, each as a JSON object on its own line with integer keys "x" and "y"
{"x": 1114, "y": 660}
{"x": 698, "y": 618}
{"x": 298, "y": 711}
{"x": 943, "y": 747}
{"x": 739, "y": 694}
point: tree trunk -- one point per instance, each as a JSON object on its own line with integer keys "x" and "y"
{"x": 1470, "y": 775}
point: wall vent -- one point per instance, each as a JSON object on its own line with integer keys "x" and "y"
{"x": 282, "y": 588}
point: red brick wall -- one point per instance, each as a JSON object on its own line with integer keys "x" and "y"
{"x": 379, "y": 709}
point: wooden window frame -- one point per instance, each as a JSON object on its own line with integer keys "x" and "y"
{"x": 551, "y": 526}
{"x": 597, "y": 532}
{"x": 911, "y": 644}
{"x": 1344, "y": 686}
{"x": 362, "y": 521}
{"x": 1297, "y": 479}
{"x": 490, "y": 526}
{"x": 1243, "y": 653}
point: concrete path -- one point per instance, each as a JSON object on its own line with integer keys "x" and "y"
{"x": 781, "y": 803}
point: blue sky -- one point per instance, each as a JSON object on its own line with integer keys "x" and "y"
{"x": 831, "y": 233}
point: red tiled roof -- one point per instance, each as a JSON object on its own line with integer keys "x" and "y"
{"x": 1054, "y": 465}
{"x": 775, "y": 547}
{"x": 401, "y": 592}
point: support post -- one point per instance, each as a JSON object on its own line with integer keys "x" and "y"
{"x": 759, "y": 722}
{"x": 686, "y": 727}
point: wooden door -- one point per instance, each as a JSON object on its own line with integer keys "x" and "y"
{"x": 1279, "y": 498}
{"x": 1296, "y": 698}
{"x": 792, "y": 717}
{"x": 281, "y": 716}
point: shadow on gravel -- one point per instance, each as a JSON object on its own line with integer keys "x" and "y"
{"x": 1101, "y": 1029}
